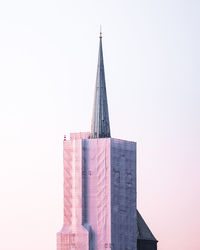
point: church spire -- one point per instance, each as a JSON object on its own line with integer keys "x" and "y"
{"x": 100, "y": 118}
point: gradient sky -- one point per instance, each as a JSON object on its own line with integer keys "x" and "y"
{"x": 48, "y": 61}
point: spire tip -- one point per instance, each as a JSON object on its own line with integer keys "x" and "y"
{"x": 100, "y": 32}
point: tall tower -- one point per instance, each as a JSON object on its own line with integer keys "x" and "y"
{"x": 99, "y": 183}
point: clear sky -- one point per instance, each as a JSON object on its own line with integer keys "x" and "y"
{"x": 48, "y": 60}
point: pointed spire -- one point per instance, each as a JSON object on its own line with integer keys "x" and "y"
{"x": 100, "y": 119}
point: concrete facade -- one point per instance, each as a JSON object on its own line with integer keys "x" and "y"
{"x": 123, "y": 194}
{"x": 99, "y": 194}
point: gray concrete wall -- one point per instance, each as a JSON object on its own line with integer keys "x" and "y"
{"x": 123, "y": 195}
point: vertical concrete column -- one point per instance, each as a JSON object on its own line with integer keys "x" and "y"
{"x": 98, "y": 192}
{"x": 73, "y": 235}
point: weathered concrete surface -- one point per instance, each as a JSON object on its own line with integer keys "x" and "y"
{"x": 123, "y": 194}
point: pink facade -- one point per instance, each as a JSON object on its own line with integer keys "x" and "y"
{"x": 99, "y": 194}
{"x": 73, "y": 234}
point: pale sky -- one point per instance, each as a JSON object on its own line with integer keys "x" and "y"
{"x": 48, "y": 61}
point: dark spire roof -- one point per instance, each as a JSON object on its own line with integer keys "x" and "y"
{"x": 100, "y": 118}
{"x": 143, "y": 232}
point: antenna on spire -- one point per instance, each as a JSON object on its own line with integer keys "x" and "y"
{"x": 100, "y": 32}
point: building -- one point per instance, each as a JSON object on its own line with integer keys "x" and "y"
{"x": 145, "y": 238}
{"x": 100, "y": 186}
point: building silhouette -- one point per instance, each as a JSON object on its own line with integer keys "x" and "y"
{"x": 100, "y": 186}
